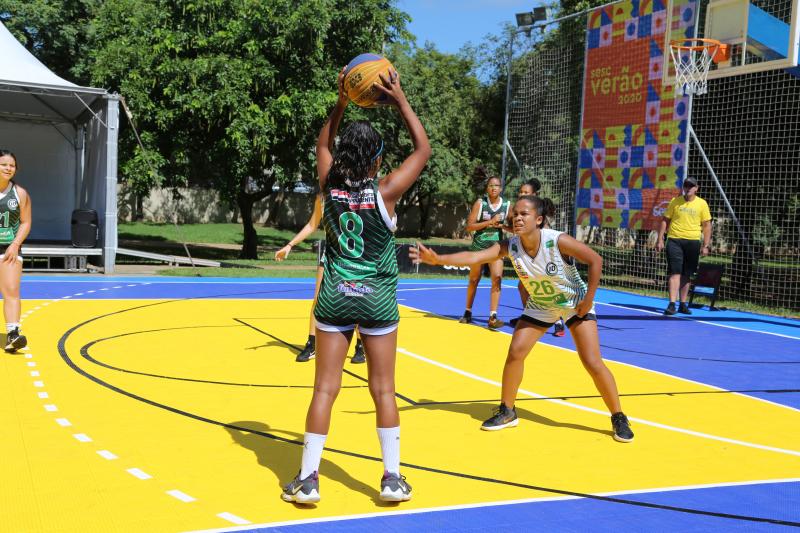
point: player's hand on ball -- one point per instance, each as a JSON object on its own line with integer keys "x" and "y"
{"x": 390, "y": 86}
{"x": 343, "y": 99}
{"x": 422, "y": 254}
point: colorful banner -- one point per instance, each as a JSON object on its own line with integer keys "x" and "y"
{"x": 633, "y": 136}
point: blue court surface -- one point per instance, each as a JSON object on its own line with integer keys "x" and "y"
{"x": 734, "y": 353}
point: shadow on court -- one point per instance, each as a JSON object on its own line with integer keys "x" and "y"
{"x": 481, "y": 411}
{"x": 284, "y": 461}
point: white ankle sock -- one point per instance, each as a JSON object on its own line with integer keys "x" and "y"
{"x": 390, "y": 448}
{"x": 11, "y": 326}
{"x": 313, "y": 443}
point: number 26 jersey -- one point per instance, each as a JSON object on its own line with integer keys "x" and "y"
{"x": 551, "y": 282}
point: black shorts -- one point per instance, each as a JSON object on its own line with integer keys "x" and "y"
{"x": 683, "y": 256}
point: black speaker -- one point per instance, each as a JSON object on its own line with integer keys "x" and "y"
{"x": 85, "y": 229}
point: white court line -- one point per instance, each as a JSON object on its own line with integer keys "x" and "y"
{"x": 35, "y": 373}
{"x": 63, "y": 422}
{"x": 105, "y": 454}
{"x": 138, "y": 473}
{"x": 637, "y": 310}
{"x": 701, "y": 321}
{"x": 38, "y": 383}
{"x": 742, "y": 394}
{"x": 491, "y": 504}
{"x": 50, "y": 408}
{"x": 82, "y": 437}
{"x": 42, "y": 395}
{"x": 233, "y": 519}
{"x": 30, "y": 363}
{"x": 598, "y": 411}
{"x": 182, "y": 496}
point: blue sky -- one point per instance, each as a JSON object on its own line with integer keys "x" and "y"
{"x": 449, "y": 24}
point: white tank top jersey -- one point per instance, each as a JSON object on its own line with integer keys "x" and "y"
{"x": 551, "y": 282}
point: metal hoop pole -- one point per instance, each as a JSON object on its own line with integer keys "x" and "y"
{"x": 728, "y": 205}
{"x": 508, "y": 107}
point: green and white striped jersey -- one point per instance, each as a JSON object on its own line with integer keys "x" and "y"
{"x": 9, "y": 214}
{"x": 486, "y": 237}
{"x": 359, "y": 285}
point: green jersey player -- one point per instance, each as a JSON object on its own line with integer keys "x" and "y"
{"x": 15, "y": 224}
{"x": 360, "y": 281}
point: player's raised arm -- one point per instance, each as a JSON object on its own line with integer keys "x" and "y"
{"x": 327, "y": 135}
{"x": 403, "y": 177}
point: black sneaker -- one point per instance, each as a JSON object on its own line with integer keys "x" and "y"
{"x": 359, "y": 356}
{"x": 558, "y": 329}
{"x": 670, "y": 310}
{"x": 503, "y": 418}
{"x": 684, "y": 309}
{"x": 466, "y": 319}
{"x": 302, "y": 490}
{"x": 622, "y": 428}
{"x": 495, "y": 323}
{"x": 15, "y": 341}
{"x": 308, "y": 353}
{"x": 394, "y": 488}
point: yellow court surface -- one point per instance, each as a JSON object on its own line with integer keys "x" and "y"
{"x": 188, "y": 414}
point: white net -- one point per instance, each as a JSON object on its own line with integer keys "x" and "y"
{"x": 749, "y": 126}
{"x": 692, "y": 61}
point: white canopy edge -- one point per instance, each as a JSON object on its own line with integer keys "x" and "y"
{"x": 22, "y": 69}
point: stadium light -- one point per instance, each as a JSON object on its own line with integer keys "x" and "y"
{"x": 529, "y": 18}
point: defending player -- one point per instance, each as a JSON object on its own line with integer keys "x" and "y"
{"x": 359, "y": 287}
{"x": 543, "y": 260}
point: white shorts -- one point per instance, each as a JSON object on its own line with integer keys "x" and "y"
{"x": 364, "y": 331}
{"x": 547, "y": 317}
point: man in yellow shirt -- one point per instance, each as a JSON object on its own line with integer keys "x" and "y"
{"x": 688, "y": 220}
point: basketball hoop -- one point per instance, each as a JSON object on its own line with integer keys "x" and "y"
{"x": 692, "y": 58}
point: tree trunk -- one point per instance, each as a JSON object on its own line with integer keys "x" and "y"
{"x": 250, "y": 243}
{"x": 138, "y": 208}
{"x": 424, "y": 204}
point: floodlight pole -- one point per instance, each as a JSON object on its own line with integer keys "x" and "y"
{"x": 508, "y": 108}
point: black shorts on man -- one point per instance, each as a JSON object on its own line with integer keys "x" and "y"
{"x": 683, "y": 256}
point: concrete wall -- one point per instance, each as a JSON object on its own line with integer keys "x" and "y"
{"x": 284, "y": 210}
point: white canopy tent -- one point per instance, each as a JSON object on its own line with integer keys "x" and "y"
{"x": 65, "y": 140}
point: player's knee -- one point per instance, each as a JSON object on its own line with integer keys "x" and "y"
{"x": 516, "y": 353}
{"x": 381, "y": 392}
{"x": 595, "y": 367}
{"x": 326, "y": 392}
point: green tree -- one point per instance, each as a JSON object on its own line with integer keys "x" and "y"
{"x": 55, "y": 31}
{"x": 232, "y": 92}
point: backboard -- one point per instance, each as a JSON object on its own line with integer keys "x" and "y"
{"x": 763, "y": 34}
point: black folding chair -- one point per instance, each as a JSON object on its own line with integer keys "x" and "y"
{"x": 706, "y": 282}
